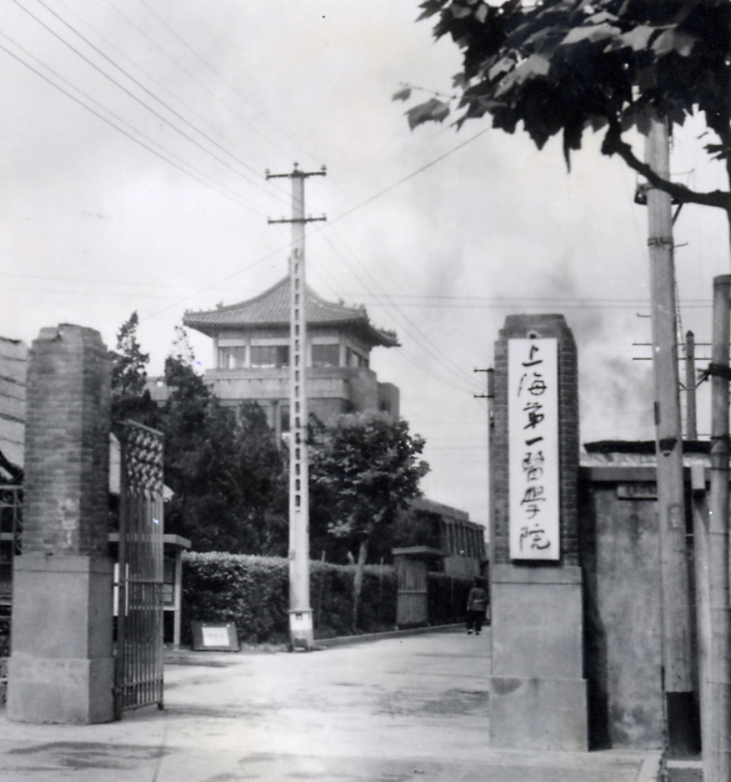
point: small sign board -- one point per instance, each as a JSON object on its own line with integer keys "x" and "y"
{"x": 637, "y": 491}
{"x": 214, "y": 637}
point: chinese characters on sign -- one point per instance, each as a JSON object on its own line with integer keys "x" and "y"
{"x": 533, "y": 447}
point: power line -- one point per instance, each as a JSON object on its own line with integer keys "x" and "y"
{"x": 391, "y": 303}
{"x": 55, "y": 292}
{"x": 411, "y": 327}
{"x": 219, "y": 188}
{"x": 416, "y": 300}
{"x": 422, "y": 367}
{"x": 92, "y": 281}
{"x": 155, "y": 81}
{"x": 416, "y": 334}
{"x": 388, "y": 189}
{"x": 217, "y": 283}
{"x": 226, "y": 82}
{"x": 134, "y": 97}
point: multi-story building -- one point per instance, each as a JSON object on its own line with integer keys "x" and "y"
{"x": 251, "y": 356}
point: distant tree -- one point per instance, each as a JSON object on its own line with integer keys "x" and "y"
{"x": 130, "y": 399}
{"x": 567, "y": 66}
{"x": 368, "y": 467}
{"x": 128, "y": 371}
{"x": 417, "y": 527}
{"x": 261, "y": 482}
{"x": 198, "y": 437}
{"x": 224, "y": 467}
{"x": 182, "y": 350}
{"x": 225, "y": 471}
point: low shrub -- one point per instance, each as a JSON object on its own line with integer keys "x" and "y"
{"x": 331, "y": 592}
{"x": 447, "y": 598}
{"x": 253, "y": 593}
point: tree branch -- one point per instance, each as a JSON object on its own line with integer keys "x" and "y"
{"x": 722, "y": 128}
{"x": 615, "y": 144}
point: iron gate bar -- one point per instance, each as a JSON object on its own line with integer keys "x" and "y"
{"x": 11, "y": 527}
{"x": 140, "y": 591}
{"x": 11, "y": 498}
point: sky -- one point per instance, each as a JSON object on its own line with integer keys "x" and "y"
{"x": 134, "y": 140}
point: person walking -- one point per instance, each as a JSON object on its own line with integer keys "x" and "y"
{"x": 476, "y": 607}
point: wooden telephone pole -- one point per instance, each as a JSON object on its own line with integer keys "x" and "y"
{"x": 300, "y": 611}
{"x": 679, "y": 701}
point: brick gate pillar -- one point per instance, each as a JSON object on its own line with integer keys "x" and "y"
{"x": 61, "y": 667}
{"x": 537, "y": 689}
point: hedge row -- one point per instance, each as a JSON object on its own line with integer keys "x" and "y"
{"x": 447, "y": 598}
{"x": 253, "y": 593}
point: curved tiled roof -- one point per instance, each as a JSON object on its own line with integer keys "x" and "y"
{"x": 271, "y": 309}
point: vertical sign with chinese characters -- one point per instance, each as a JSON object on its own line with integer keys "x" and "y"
{"x": 533, "y": 447}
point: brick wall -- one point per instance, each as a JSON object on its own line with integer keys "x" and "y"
{"x": 67, "y": 443}
{"x": 546, "y": 326}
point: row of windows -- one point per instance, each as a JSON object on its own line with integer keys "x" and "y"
{"x": 354, "y": 359}
{"x": 277, "y": 357}
{"x": 231, "y": 358}
{"x": 460, "y": 539}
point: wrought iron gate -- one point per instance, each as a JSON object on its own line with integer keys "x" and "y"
{"x": 11, "y": 528}
{"x": 139, "y": 674}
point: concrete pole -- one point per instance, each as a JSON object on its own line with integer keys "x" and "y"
{"x": 300, "y": 611}
{"x": 691, "y": 423}
{"x": 669, "y": 447}
{"x": 712, "y": 553}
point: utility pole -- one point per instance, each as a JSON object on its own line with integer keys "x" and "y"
{"x": 675, "y": 610}
{"x": 300, "y": 611}
{"x": 490, "y": 396}
{"x": 712, "y": 559}
{"x": 691, "y": 422}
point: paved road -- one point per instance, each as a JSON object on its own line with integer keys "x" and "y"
{"x": 412, "y": 708}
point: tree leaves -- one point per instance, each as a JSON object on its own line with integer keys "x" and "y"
{"x": 591, "y": 33}
{"x": 673, "y": 41}
{"x": 368, "y": 466}
{"x": 128, "y": 370}
{"x": 224, "y": 467}
{"x": 434, "y": 110}
{"x": 565, "y": 66}
{"x": 636, "y": 39}
{"x": 535, "y": 66}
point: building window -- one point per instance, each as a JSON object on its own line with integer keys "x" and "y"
{"x": 270, "y": 356}
{"x": 231, "y": 358}
{"x": 354, "y": 359}
{"x": 325, "y": 355}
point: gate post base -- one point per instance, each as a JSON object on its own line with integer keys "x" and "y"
{"x": 67, "y": 692}
{"x": 300, "y": 630}
{"x": 61, "y": 668}
{"x": 538, "y": 694}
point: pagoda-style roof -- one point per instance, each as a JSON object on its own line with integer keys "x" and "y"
{"x": 271, "y": 310}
